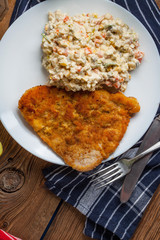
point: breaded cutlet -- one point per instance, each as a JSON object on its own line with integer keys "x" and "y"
{"x": 83, "y": 128}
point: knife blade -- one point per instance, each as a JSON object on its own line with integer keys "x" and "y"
{"x": 151, "y": 137}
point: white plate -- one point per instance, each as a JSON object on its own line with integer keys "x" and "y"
{"x": 20, "y": 69}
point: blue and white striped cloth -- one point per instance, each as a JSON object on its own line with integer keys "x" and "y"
{"x": 106, "y": 217}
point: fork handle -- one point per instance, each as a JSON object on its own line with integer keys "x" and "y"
{"x": 149, "y": 150}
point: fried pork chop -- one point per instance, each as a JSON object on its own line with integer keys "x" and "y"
{"x": 83, "y": 128}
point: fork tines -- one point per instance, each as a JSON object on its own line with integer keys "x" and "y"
{"x": 107, "y": 175}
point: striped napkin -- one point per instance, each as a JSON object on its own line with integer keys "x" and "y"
{"x": 106, "y": 217}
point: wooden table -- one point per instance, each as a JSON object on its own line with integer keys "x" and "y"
{"x": 26, "y": 206}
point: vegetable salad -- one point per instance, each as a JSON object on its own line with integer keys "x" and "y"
{"x": 88, "y": 51}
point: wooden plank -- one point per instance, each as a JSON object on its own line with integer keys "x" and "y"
{"x": 26, "y": 205}
{"x": 3, "y": 8}
{"x": 149, "y": 227}
{"x": 158, "y": 3}
{"x": 68, "y": 224}
{"x": 4, "y": 24}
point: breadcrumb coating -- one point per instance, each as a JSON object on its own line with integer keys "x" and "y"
{"x": 83, "y": 128}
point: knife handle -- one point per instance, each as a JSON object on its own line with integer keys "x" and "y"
{"x": 143, "y": 154}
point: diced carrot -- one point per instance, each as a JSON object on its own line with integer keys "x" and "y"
{"x": 79, "y": 69}
{"x": 104, "y": 35}
{"x": 80, "y": 23}
{"x": 116, "y": 85}
{"x": 66, "y": 19}
{"x": 88, "y": 50}
{"x": 121, "y": 80}
{"x": 139, "y": 56}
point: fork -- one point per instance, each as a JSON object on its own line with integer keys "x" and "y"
{"x": 119, "y": 169}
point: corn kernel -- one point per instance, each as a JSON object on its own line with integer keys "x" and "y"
{"x": 64, "y": 64}
{"x": 46, "y": 28}
{"x": 95, "y": 15}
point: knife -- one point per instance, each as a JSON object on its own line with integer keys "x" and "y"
{"x": 151, "y": 137}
